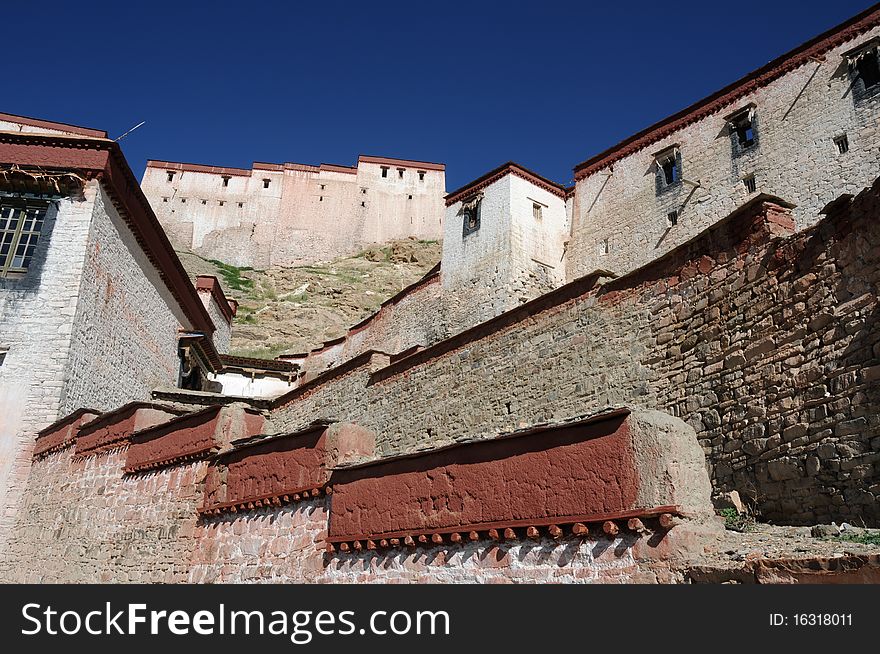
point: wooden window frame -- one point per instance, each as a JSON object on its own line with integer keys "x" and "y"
{"x": 7, "y": 270}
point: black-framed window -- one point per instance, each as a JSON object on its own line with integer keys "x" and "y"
{"x": 743, "y": 127}
{"x": 864, "y": 70}
{"x": 21, "y": 224}
{"x": 669, "y": 170}
{"x": 470, "y": 216}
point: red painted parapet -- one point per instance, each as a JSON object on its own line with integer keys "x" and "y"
{"x": 191, "y": 436}
{"x": 62, "y": 433}
{"x": 114, "y": 429}
{"x": 284, "y": 469}
{"x": 610, "y": 467}
{"x": 274, "y": 470}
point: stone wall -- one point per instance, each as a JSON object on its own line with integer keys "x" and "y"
{"x": 802, "y": 102}
{"x": 286, "y": 214}
{"x": 36, "y": 322}
{"x": 765, "y": 344}
{"x": 124, "y": 336}
{"x": 86, "y": 519}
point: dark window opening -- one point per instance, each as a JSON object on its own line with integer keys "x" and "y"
{"x": 225, "y": 181}
{"x": 182, "y": 200}
{"x": 3, "y": 353}
{"x": 744, "y": 130}
{"x": 421, "y": 175}
{"x": 222, "y": 202}
{"x": 470, "y": 212}
{"x": 749, "y": 183}
{"x": 164, "y": 199}
{"x": 400, "y": 173}
{"x": 384, "y": 171}
{"x": 322, "y": 187}
{"x": 20, "y": 229}
{"x": 363, "y": 190}
{"x": 204, "y": 202}
{"x": 240, "y": 204}
{"x": 170, "y": 176}
{"x": 868, "y": 68}
{"x": 604, "y": 247}
{"x": 670, "y": 171}
{"x": 842, "y": 144}
{"x": 409, "y": 197}
{"x": 266, "y": 183}
{"x": 672, "y": 218}
{"x": 363, "y": 204}
{"x": 321, "y": 199}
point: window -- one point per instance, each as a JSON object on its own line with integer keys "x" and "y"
{"x": 864, "y": 69}
{"x": 364, "y": 191}
{"x": 421, "y": 175}
{"x": 668, "y": 169}
{"x": 170, "y": 176}
{"x": 322, "y": 187}
{"x": 225, "y": 181}
{"x": 409, "y": 197}
{"x": 536, "y": 210}
{"x": 321, "y": 199}
{"x": 749, "y": 183}
{"x": 240, "y": 205}
{"x": 604, "y": 247}
{"x": 400, "y": 173}
{"x": 266, "y": 183}
{"x": 204, "y": 202}
{"x": 182, "y": 200}
{"x": 3, "y": 352}
{"x": 672, "y": 218}
{"x": 842, "y": 144}
{"x": 222, "y": 202}
{"x": 20, "y": 227}
{"x": 164, "y": 199}
{"x": 470, "y": 213}
{"x": 363, "y": 204}
{"x": 743, "y": 129}
{"x": 384, "y": 171}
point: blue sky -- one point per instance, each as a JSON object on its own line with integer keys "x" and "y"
{"x": 471, "y": 84}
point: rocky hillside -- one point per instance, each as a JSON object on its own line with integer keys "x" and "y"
{"x": 296, "y": 309}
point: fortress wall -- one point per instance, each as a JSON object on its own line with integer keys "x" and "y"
{"x": 305, "y": 214}
{"x": 82, "y": 521}
{"x": 85, "y": 521}
{"x": 802, "y": 102}
{"x": 766, "y": 344}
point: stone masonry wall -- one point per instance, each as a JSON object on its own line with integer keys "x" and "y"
{"x": 36, "y": 323}
{"x": 124, "y": 340}
{"x": 797, "y": 118}
{"x": 765, "y": 345}
{"x": 304, "y": 214}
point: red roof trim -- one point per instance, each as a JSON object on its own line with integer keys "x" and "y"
{"x": 212, "y": 285}
{"x": 423, "y": 165}
{"x": 103, "y": 159}
{"x": 48, "y": 124}
{"x": 198, "y": 168}
{"x": 728, "y": 95}
{"x": 510, "y": 168}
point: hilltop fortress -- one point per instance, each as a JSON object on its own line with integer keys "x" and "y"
{"x": 288, "y": 214}
{"x": 563, "y": 398}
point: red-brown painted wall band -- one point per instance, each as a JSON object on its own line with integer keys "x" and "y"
{"x": 62, "y": 433}
{"x": 192, "y": 435}
{"x": 278, "y": 466}
{"x": 117, "y": 431}
{"x": 578, "y": 470}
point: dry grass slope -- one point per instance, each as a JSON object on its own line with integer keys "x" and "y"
{"x": 296, "y": 309}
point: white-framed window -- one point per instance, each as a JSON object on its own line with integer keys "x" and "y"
{"x": 20, "y": 227}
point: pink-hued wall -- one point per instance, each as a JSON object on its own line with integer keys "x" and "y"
{"x": 305, "y": 214}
